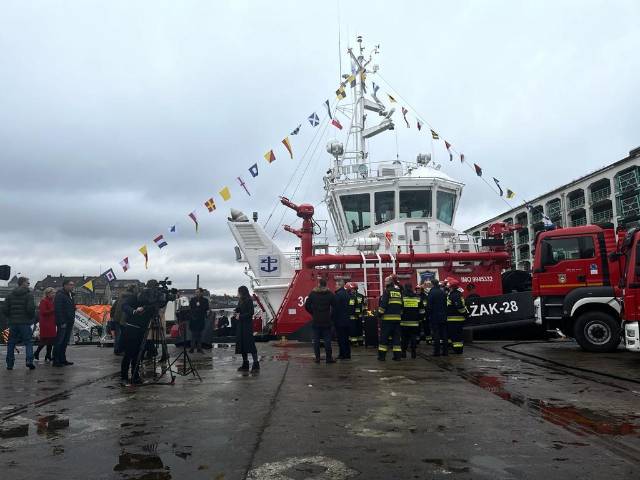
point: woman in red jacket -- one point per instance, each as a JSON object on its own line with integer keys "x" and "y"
{"x": 47, "y": 320}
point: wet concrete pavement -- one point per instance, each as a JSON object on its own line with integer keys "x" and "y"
{"x": 489, "y": 413}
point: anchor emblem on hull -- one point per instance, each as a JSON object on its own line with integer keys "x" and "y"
{"x": 268, "y": 264}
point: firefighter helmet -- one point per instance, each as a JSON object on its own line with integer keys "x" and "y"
{"x": 452, "y": 282}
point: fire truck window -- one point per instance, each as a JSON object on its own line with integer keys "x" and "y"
{"x": 385, "y": 206}
{"x": 357, "y": 211}
{"x": 446, "y": 206}
{"x": 415, "y": 203}
{"x": 574, "y": 248}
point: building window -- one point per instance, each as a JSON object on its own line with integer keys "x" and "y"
{"x": 446, "y": 206}
{"x": 415, "y": 203}
{"x": 357, "y": 211}
{"x": 385, "y": 206}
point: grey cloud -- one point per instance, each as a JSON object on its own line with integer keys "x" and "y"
{"x": 118, "y": 119}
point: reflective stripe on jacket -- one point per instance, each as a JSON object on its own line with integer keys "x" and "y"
{"x": 390, "y": 305}
{"x": 413, "y": 311}
{"x": 456, "y": 307}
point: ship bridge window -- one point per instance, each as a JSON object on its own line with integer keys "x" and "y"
{"x": 357, "y": 211}
{"x": 415, "y": 203}
{"x": 446, "y": 206}
{"x": 385, "y": 206}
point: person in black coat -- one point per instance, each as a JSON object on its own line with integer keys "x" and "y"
{"x": 199, "y": 306}
{"x": 342, "y": 321}
{"x": 320, "y": 304}
{"x": 437, "y": 314}
{"x": 65, "y": 313}
{"x": 245, "y": 343}
{"x": 132, "y": 336}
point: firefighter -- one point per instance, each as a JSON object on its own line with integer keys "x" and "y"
{"x": 412, "y": 313}
{"x": 437, "y": 314}
{"x": 357, "y": 315}
{"x": 424, "y": 331}
{"x": 456, "y": 314}
{"x": 390, "y": 313}
{"x": 351, "y": 310}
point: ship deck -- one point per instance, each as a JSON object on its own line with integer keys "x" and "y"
{"x": 489, "y": 413}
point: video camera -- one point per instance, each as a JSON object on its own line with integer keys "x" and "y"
{"x": 170, "y": 294}
{"x": 5, "y": 272}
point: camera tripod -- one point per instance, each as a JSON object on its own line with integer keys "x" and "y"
{"x": 186, "y": 359}
{"x": 158, "y": 337}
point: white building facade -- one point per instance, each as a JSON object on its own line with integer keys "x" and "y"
{"x": 608, "y": 195}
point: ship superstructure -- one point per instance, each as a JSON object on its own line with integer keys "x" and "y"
{"x": 392, "y": 216}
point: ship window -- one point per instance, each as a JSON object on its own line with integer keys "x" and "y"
{"x": 415, "y": 203}
{"x": 446, "y": 206}
{"x": 385, "y": 206}
{"x": 357, "y": 211}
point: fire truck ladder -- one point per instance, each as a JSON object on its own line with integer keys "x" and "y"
{"x": 371, "y": 261}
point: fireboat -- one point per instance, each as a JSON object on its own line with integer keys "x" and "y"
{"x": 389, "y": 217}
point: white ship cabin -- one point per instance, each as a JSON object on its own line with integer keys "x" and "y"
{"x": 394, "y": 207}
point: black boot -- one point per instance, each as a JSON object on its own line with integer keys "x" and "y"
{"x": 382, "y": 356}
{"x": 244, "y": 367}
{"x": 413, "y": 353}
{"x": 255, "y": 367}
{"x": 397, "y": 356}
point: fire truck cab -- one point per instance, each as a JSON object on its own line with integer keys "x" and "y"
{"x": 630, "y": 260}
{"x": 576, "y": 285}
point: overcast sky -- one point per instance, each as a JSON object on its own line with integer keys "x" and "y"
{"x": 118, "y": 118}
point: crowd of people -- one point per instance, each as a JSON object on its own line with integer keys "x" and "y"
{"x": 55, "y": 315}
{"x": 433, "y": 311}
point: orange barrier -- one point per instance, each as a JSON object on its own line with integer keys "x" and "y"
{"x": 98, "y": 313}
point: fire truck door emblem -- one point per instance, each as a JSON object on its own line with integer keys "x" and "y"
{"x": 562, "y": 278}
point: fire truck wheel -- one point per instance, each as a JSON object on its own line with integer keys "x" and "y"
{"x": 597, "y": 332}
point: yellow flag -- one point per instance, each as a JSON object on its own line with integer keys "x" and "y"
{"x": 225, "y": 193}
{"x": 510, "y": 193}
{"x": 145, "y": 254}
{"x": 88, "y": 286}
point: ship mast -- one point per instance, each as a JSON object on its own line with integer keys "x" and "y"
{"x": 358, "y": 110}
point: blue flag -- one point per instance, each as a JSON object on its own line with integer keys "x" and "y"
{"x": 314, "y": 120}
{"x": 253, "y": 170}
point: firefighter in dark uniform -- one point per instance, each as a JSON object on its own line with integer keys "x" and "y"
{"x": 351, "y": 310}
{"x": 356, "y": 314}
{"x": 456, "y": 314}
{"x": 424, "y": 330}
{"x": 412, "y": 314}
{"x": 390, "y": 313}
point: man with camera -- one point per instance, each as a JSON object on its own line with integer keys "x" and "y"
{"x": 139, "y": 311}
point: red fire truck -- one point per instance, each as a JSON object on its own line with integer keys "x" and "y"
{"x": 629, "y": 257}
{"x": 582, "y": 278}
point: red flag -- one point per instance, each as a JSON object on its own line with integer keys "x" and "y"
{"x": 419, "y": 124}
{"x": 336, "y": 124}
{"x": 462, "y": 158}
{"x": 478, "y": 169}
{"x": 270, "y": 156}
{"x": 448, "y": 145}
